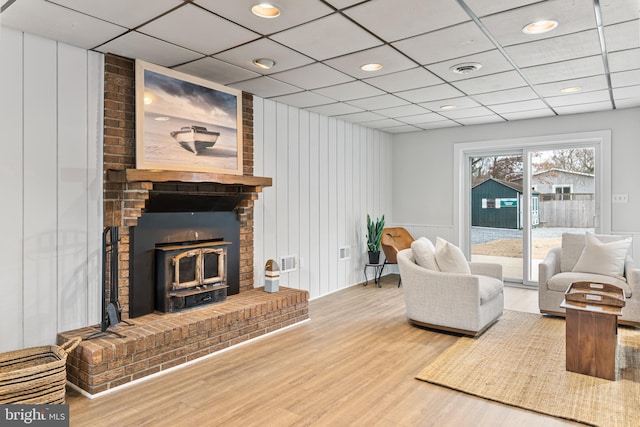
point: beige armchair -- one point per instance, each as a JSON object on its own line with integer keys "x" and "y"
{"x": 457, "y": 302}
{"x": 555, "y": 274}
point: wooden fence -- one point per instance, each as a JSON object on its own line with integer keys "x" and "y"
{"x": 576, "y": 210}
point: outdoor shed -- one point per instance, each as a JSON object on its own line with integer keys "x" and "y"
{"x": 498, "y": 204}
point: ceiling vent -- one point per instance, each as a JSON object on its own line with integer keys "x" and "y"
{"x": 466, "y": 68}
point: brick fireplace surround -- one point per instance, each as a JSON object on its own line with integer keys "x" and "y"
{"x": 156, "y": 342}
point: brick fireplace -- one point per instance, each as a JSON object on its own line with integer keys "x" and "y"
{"x": 158, "y": 341}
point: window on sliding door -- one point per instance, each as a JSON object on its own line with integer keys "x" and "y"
{"x": 565, "y": 183}
{"x": 516, "y": 198}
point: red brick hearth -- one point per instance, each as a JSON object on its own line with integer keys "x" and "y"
{"x": 161, "y": 341}
{"x": 154, "y": 342}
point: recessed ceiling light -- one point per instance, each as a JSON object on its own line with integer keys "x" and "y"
{"x": 264, "y": 63}
{"x": 465, "y": 68}
{"x": 540, "y": 27}
{"x": 448, "y": 107}
{"x": 571, "y": 89}
{"x": 371, "y": 67}
{"x": 162, "y": 118}
{"x": 266, "y": 10}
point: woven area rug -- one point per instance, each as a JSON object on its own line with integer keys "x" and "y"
{"x": 520, "y": 361}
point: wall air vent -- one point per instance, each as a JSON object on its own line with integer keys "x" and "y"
{"x": 345, "y": 253}
{"x": 288, "y": 263}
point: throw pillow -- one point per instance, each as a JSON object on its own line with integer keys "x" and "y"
{"x": 450, "y": 258}
{"x": 424, "y": 253}
{"x": 603, "y": 258}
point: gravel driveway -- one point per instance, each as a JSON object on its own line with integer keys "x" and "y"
{"x": 486, "y": 234}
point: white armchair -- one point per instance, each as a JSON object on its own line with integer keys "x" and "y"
{"x": 555, "y": 274}
{"x": 456, "y": 302}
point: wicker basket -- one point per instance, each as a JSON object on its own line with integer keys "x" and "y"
{"x": 35, "y": 375}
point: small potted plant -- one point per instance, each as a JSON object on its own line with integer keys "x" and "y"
{"x": 374, "y": 237}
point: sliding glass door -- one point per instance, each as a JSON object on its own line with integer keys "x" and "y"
{"x": 520, "y": 202}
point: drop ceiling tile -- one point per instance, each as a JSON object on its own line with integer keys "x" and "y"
{"x": 216, "y": 71}
{"x": 614, "y": 11}
{"x": 384, "y": 123}
{"x": 532, "y": 114}
{"x": 480, "y": 120}
{"x": 626, "y": 92}
{"x": 388, "y": 18}
{"x": 588, "y": 84}
{"x": 483, "y": 7}
{"x": 431, "y": 93}
{"x": 405, "y": 80}
{"x": 378, "y": 102}
{"x": 341, "y": 4}
{"x": 141, "y": 46}
{"x": 460, "y": 102}
{"x": 567, "y": 70}
{"x": 55, "y": 22}
{"x": 627, "y": 103}
{"x": 284, "y": 57}
{"x": 438, "y": 125}
{"x": 441, "y": 45}
{"x": 312, "y": 76}
{"x": 389, "y": 58}
{"x": 294, "y": 12}
{"x": 401, "y": 129}
{"x": 304, "y": 99}
{"x": 584, "y": 108}
{"x": 571, "y": 46}
{"x": 204, "y": 28}
{"x": 402, "y": 111}
{"x": 349, "y": 91}
{"x": 120, "y": 12}
{"x": 365, "y": 116}
{"x": 491, "y": 61}
{"x": 625, "y": 78}
{"x": 624, "y": 60}
{"x": 622, "y": 36}
{"x": 578, "y": 98}
{"x": 327, "y": 37}
{"x": 572, "y": 16}
{"x": 512, "y": 107}
{"x": 490, "y": 83}
{"x": 466, "y": 113}
{"x": 337, "y": 109}
{"x": 421, "y": 118}
{"x": 265, "y": 87}
{"x": 507, "y": 95}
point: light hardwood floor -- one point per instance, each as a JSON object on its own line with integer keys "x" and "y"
{"x": 352, "y": 364}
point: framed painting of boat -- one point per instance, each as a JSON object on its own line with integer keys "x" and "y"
{"x": 186, "y": 123}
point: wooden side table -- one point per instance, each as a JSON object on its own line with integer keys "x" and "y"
{"x": 592, "y": 331}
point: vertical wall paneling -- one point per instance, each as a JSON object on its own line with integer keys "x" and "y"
{"x": 332, "y": 205}
{"x": 323, "y": 159}
{"x": 270, "y": 194}
{"x": 341, "y": 190}
{"x": 259, "y": 259}
{"x": 332, "y": 174}
{"x": 282, "y": 184}
{"x": 95, "y": 109}
{"x": 11, "y": 285}
{"x": 40, "y": 190}
{"x": 72, "y": 187}
{"x": 51, "y": 116}
{"x": 304, "y": 200}
{"x": 293, "y": 171}
{"x": 314, "y": 205}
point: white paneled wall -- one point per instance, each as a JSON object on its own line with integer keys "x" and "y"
{"x": 51, "y": 171}
{"x": 327, "y": 175}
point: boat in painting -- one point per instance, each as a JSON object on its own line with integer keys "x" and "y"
{"x": 195, "y": 138}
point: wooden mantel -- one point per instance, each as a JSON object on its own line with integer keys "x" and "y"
{"x": 147, "y": 175}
